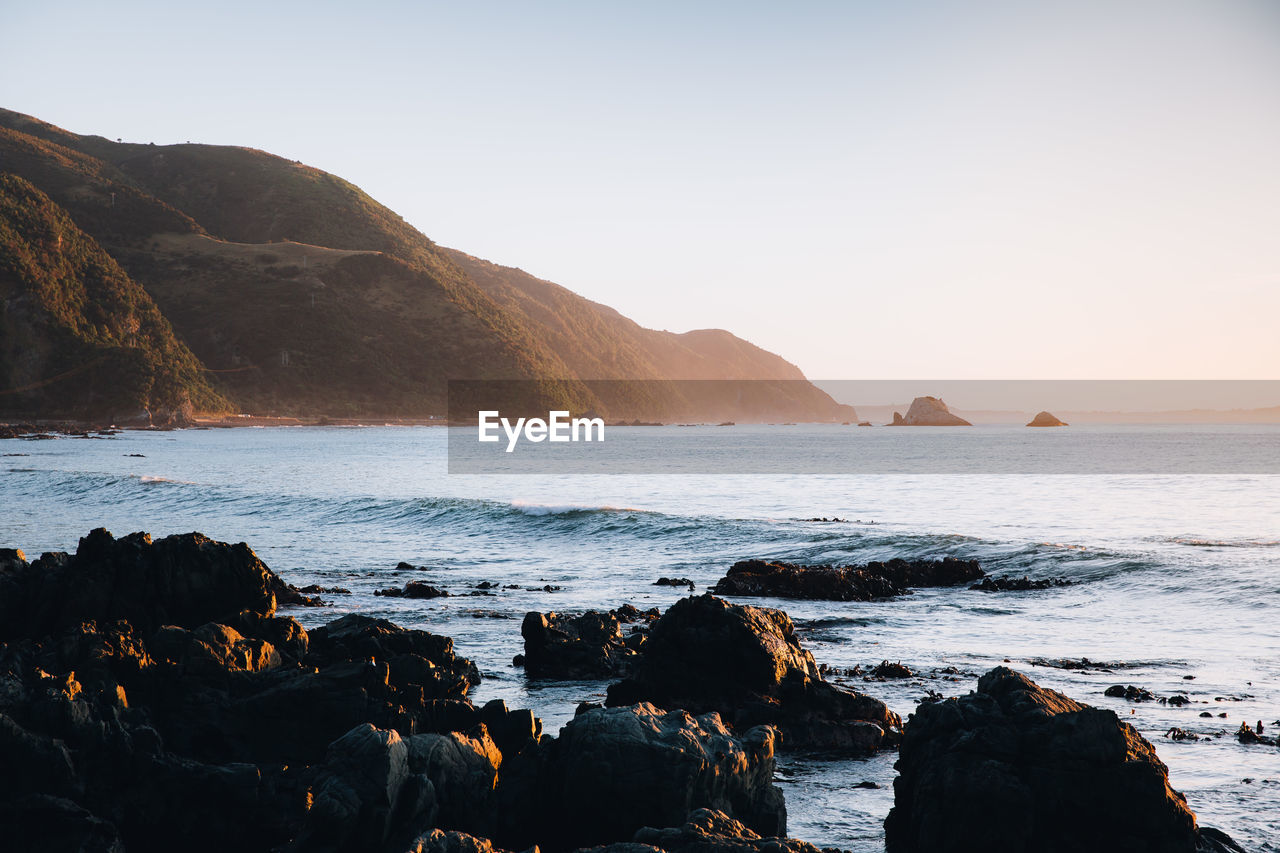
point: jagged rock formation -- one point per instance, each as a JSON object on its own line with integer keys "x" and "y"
{"x": 1016, "y": 767}
{"x": 746, "y": 664}
{"x": 591, "y": 645}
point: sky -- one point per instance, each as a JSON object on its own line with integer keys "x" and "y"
{"x": 889, "y": 190}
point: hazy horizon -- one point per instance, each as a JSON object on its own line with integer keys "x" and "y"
{"x": 973, "y": 190}
{"x": 1060, "y": 396}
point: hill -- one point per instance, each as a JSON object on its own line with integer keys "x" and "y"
{"x": 78, "y": 337}
{"x": 301, "y": 295}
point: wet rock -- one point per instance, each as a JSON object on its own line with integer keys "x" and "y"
{"x": 1016, "y": 767}
{"x": 613, "y": 771}
{"x": 746, "y": 663}
{"x": 589, "y": 646}
{"x": 317, "y": 589}
{"x": 884, "y": 669}
{"x": 847, "y": 583}
{"x": 673, "y": 582}
{"x": 1130, "y": 692}
{"x": 1246, "y": 734}
{"x": 1045, "y": 419}
{"x": 1022, "y": 584}
{"x": 413, "y": 589}
{"x": 929, "y": 411}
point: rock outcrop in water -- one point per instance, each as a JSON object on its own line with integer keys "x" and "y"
{"x": 745, "y": 663}
{"x": 1016, "y": 584}
{"x": 843, "y": 583}
{"x": 1016, "y": 767}
{"x": 588, "y": 646}
{"x": 180, "y": 580}
{"x": 928, "y": 411}
{"x": 1044, "y": 419}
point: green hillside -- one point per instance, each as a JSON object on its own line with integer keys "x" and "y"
{"x": 78, "y": 337}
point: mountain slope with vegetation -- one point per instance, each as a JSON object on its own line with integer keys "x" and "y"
{"x": 301, "y": 295}
{"x": 78, "y": 337}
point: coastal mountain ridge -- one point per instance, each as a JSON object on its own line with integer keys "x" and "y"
{"x": 295, "y": 293}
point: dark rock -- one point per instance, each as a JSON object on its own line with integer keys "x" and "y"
{"x": 580, "y": 647}
{"x": 34, "y": 762}
{"x": 1022, "y": 584}
{"x": 413, "y": 589}
{"x": 711, "y": 831}
{"x": 614, "y": 771}
{"x": 705, "y": 654}
{"x": 1016, "y": 767}
{"x": 463, "y": 771}
{"x": 673, "y": 582}
{"x": 1130, "y": 692}
{"x": 39, "y": 823}
{"x": 440, "y": 841}
{"x": 884, "y": 669}
{"x": 127, "y": 716}
{"x": 847, "y": 583}
{"x": 1248, "y": 735}
{"x": 366, "y": 793}
{"x": 185, "y": 580}
{"x": 1216, "y": 841}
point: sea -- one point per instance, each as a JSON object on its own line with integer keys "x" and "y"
{"x": 1174, "y": 574}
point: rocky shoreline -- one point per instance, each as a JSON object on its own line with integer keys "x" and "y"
{"x": 151, "y": 698}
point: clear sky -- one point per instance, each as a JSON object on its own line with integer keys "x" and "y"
{"x": 1076, "y": 189}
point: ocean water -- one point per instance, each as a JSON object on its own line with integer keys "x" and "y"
{"x": 1174, "y": 574}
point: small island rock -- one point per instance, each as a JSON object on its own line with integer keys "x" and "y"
{"x": 1045, "y": 419}
{"x": 928, "y": 411}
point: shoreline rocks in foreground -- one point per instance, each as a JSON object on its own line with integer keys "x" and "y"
{"x": 152, "y": 700}
{"x": 1019, "y": 768}
{"x": 844, "y": 583}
